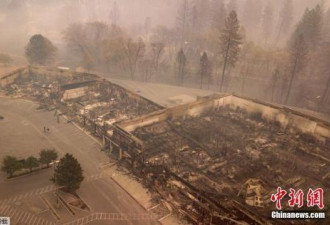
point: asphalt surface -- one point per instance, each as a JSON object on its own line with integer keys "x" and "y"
{"x": 22, "y": 135}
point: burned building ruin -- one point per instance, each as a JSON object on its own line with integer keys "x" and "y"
{"x": 213, "y": 161}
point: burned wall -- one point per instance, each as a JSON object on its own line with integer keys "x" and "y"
{"x": 284, "y": 116}
{"x": 219, "y": 150}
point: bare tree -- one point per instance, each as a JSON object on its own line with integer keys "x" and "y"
{"x": 274, "y": 81}
{"x": 134, "y": 51}
{"x": 298, "y": 59}
{"x": 325, "y": 94}
{"x": 218, "y": 15}
{"x": 230, "y": 43}
{"x": 114, "y": 14}
{"x": 286, "y": 17}
{"x": 147, "y": 67}
{"x": 183, "y": 19}
{"x": 232, "y": 5}
{"x": 267, "y": 22}
{"x": 157, "y": 52}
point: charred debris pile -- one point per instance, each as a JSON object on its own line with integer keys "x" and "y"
{"x": 85, "y": 98}
{"x": 224, "y": 164}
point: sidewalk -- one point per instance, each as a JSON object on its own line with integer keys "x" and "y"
{"x": 140, "y": 194}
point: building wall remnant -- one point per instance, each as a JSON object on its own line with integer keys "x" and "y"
{"x": 285, "y": 116}
{"x": 10, "y": 78}
{"x": 272, "y": 113}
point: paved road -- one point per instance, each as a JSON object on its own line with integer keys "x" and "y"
{"x": 21, "y": 135}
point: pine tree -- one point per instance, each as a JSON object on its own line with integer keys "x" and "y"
{"x": 218, "y": 15}
{"x": 267, "y": 22}
{"x": 184, "y": 21}
{"x": 181, "y": 61}
{"x": 298, "y": 51}
{"x": 232, "y": 6}
{"x": 323, "y": 56}
{"x": 326, "y": 26}
{"x": 230, "y": 43}
{"x": 310, "y": 26}
{"x": 201, "y": 14}
{"x": 285, "y": 18}
{"x": 205, "y": 68}
{"x": 252, "y": 15}
{"x": 114, "y": 14}
{"x": 68, "y": 173}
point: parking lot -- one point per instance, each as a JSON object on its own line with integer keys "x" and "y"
{"x": 30, "y": 199}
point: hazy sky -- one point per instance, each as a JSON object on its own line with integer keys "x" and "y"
{"x": 19, "y": 19}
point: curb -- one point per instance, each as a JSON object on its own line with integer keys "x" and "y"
{"x": 129, "y": 194}
{"x": 81, "y": 129}
{"x": 133, "y": 198}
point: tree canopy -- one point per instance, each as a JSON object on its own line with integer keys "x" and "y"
{"x": 47, "y": 156}
{"x": 10, "y": 165}
{"x": 40, "y": 50}
{"x": 30, "y": 163}
{"x": 68, "y": 173}
{"x": 230, "y": 42}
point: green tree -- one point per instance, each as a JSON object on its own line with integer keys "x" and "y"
{"x": 30, "y": 163}
{"x": 230, "y": 43}
{"x": 47, "y": 156}
{"x": 68, "y": 173}
{"x": 40, "y": 50}
{"x": 10, "y": 165}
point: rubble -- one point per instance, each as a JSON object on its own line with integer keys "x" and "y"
{"x": 86, "y": 98}
{"x": 216, "y": 152}
{"x": 214, "y": 161}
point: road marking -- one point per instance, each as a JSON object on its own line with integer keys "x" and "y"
{"x": 3, "y": 210}
{"x": 44, "y": 190}
{"x": 20, "y": 197}
{"x": 38, "y": 220}
{"x": 22, "y": 215}
{"x": 33, "y": 219}
{"x": 15, "y": 214}
{"x": 10, "y": 211}
{"x": 29, "y": 218}
{"x": 3, "y": 203}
